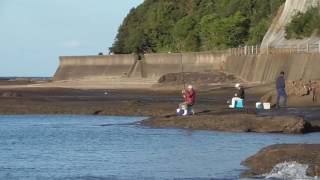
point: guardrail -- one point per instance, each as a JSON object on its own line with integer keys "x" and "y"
{"x": 285, "y": 49}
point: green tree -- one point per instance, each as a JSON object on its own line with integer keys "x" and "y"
{"x": 257, "y": 32}
{"x": 186, "y": 37}
{"x": 194, "y": 25}
{"x": 303, "y": 24}
{"x": 230, "y": 31}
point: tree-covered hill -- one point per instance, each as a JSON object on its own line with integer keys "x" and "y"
{"x": 194, "y": 25}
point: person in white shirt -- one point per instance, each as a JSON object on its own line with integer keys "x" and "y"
{"x": 234, "y": 100}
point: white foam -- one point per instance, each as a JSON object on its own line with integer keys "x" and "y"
{"x": 289, "y": 170}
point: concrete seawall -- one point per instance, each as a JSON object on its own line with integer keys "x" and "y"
{"x": 266, "y": 68}
{"x": 152, "y": 67}
{"x": 260, "y": 68}
{"x": 80, "y": 67}
{"x": 157, "y": 65}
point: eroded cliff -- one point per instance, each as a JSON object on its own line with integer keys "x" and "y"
{"x": 275, "y": 37}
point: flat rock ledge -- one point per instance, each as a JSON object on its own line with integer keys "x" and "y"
{"x": 267, "y": 158}
{"x": 234, "y": 122}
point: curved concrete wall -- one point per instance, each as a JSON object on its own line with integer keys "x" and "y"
{"x": 79, "y": 67}
{"x": 266, "y": 68}
{"x": 153, "y": 66}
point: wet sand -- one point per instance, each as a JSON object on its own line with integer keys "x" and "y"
{"x": 115, "y": 102}
{"x": 31, "y": 98}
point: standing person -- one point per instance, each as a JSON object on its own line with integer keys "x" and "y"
{"x": 241, "y": 93}
{"x": 281, "y": 90}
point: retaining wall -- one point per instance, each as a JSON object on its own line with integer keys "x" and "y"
{"x": 156, "y": 65}
{"x": 261, "y": 68}
{"x": 153, "y": 66}
{"x": 266, "y": 68}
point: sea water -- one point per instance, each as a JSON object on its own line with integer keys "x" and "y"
{"x": 99, "y": 147}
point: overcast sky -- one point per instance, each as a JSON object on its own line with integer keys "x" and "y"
{"x": 34, "y": 33}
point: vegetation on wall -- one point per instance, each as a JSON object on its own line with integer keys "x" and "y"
{"x": 304, "y": 24}
{"x": 194, "y": 25}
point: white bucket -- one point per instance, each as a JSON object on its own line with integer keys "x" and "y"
{"x": 266, "y": 106}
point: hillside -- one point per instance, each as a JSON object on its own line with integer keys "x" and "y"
{"x": 194, "y": 25}
{"x": 300, "y": 20}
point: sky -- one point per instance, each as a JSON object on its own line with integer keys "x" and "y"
{"x": 34, "y": 33}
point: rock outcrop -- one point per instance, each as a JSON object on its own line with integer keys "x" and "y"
{"x": 198, "y": 78}
{"x": 264, "y": 161}
{"x": 233, "y": 122}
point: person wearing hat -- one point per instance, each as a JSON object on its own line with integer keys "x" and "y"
{"x": 234, "y": 100}
{"x": 241, "y": 93}
{"x": 190, "y": 97}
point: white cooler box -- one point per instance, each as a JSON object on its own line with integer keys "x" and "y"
{"x": 266, "y": 106}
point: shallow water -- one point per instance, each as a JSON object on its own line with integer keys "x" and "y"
{"x": 97, "y": 147}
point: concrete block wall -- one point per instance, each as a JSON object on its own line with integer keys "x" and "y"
{"x": 266, "y": 68}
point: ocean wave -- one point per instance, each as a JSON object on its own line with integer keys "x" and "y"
{"x": 290, "y": 170}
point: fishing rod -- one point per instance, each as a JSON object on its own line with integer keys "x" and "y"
{"x": 182, "y": 68}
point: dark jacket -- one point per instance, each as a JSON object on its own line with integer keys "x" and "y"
{"x": 241, "y": 93}
{"x": 281, "y": 83}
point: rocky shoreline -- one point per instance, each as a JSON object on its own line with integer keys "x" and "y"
{"x": 212, "y": 114}
{"x": 235, "y": 122}
{"x": 267, "y": 158}
{"x": 160, "y": 105}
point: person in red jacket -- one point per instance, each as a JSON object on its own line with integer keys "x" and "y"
{"x": 190, "y": 96}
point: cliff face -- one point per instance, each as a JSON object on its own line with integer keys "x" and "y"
{"x": 275, "y": 36}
